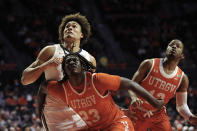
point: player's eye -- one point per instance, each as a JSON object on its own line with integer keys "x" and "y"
{"x": 74, "y": 26}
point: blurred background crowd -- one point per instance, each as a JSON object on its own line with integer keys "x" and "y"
{"x": 124, "y": 32}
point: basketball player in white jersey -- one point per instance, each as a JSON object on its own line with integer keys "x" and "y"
{"x": 74, "y": 31}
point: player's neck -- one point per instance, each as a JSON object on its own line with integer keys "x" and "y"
{"x": 72, "y": 47}
{"x": 170, "y": 64}
{"x": 77, "y": 80}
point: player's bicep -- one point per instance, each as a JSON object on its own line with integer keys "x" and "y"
{"x": 45, "y": 54}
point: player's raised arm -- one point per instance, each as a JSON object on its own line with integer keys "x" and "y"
{"x": 34, "y": 71}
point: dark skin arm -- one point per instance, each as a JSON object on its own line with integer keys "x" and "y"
{"x": 139, "y": 90}
{"x": 183, "y": 88}
{"x": 139, "y": 75}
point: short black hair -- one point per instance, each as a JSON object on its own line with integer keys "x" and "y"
{"x": 86, "y": 65}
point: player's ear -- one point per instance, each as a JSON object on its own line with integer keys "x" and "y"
{"x": 81, "y": 35}
{"x": 182, "y": 56}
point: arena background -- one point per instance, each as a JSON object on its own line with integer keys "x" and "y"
{"x": 125, "y": 32}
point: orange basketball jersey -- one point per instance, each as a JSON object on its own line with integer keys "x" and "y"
{"x": 160, "y": 84}
{"x": 96, "y": 110}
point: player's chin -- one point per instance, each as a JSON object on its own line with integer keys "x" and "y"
{"x": 75, "y": 72}
{"x": 69, "y": 39}
{"x": 171, "y": 56}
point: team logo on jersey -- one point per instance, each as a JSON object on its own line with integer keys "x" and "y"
{"x": 178, "y": 76}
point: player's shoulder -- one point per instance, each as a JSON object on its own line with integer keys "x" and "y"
{"x": 85, "y": 52}
{"x": 146, "y": 65}
{"x": 47, "y": 51}
{"x": 49, "y": 47}
{"x": 88, "y": 56}
{"x": 102, "y": 75}
{"x": 147, "y": 62}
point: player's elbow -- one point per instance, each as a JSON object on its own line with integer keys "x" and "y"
{"x": 23, "y": 81}
{"x": 178, "y": 108}
{"x": 184, "y": 111}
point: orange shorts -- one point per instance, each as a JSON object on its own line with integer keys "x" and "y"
{"x": 123, "y": 124}
{"x": 158, "y": 122}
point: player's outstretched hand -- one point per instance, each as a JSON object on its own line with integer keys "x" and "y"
{"x": 135, "y": 101}
{"x": 193, "y": 120}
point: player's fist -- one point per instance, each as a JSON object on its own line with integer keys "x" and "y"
{"x": 135, "y": 101}
{"x": 193, "y": 120}
{"x": 159, "y": 103}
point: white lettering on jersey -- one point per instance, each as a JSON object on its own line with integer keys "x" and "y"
{"x": 83, "y": 102}
{"x": 161, "y": 84}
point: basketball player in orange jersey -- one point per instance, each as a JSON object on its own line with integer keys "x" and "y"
{"x": 162, "y": 78}
{"x": 89, "y": 95}
{"x": 74, "y": 31}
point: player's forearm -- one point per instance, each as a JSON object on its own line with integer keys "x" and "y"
{"x": 181, "y": 105}
{"x": 30, "y": 74}
{"x": 184, "y": 111}
{"x": 145, "y": 94}
{"x": 131, "y": 93}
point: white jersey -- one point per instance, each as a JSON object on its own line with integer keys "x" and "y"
{"x": 58, "y": 116}
{"x": 56, "y": 73}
